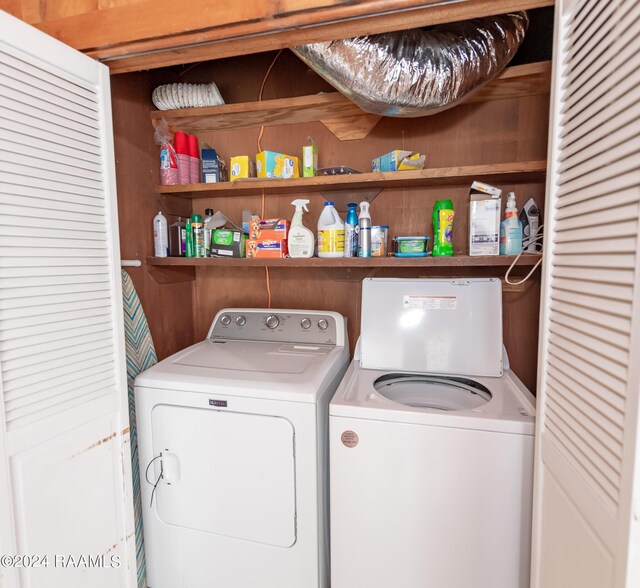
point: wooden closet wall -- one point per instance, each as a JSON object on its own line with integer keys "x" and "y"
{"x": 180, "y": 304}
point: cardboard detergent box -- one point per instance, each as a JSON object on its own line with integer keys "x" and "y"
{"x": 269, "y": 228}
{"x": 398, "y": 160}
{"x": 277, "y": 165}
{"x": 485, "y": 203}
{"x": 242, "y": 166}
{"x": 267, "y": 248}
{"x": 228, "y": 243}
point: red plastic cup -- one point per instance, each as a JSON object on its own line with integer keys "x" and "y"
{"x": 180, "y": 143}
{"x": 193, "y": 146}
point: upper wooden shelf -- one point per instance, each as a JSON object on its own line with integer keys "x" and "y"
{"x": 518, "y": 172}
{"x": 338, "y": 113}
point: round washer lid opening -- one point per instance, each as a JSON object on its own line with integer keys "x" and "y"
{"x": 432, "y": 392}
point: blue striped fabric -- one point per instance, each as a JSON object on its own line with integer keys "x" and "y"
{"x": 141, "y": 355}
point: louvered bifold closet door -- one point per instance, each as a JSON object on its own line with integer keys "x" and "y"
{"x": 65, "y": 484}
{"x": 586, "y": 495}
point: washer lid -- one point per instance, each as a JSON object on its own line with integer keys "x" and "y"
{"x": 432, "y": 392}
{"x": 435, "y": 326}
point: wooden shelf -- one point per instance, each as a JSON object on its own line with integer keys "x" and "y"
{"x": 527, "y": 260}
{"x": 519, "y": 172}
{"x": 341, "y": 116}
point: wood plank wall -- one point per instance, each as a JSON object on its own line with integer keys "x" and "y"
{"x": 168, "y": 307}
{"x": 493, "y": 132}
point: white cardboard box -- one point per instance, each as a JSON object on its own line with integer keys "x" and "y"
{"x": 485, "y": 203}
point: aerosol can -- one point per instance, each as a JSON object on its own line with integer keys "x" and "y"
{"x": 364, "y": 236}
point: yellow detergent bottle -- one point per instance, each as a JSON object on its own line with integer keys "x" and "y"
{"x": 330, "y": 233}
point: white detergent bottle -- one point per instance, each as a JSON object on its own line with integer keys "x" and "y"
{"x": 300, "y": 239}
{"x": 511, "y": 228}
{"x": 330, "y": 233}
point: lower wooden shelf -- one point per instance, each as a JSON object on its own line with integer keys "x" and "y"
{"x": 350, "y": 262}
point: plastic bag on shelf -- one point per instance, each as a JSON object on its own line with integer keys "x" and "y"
{"x": 168, "y": 159}
{"x": 415, "y": 72}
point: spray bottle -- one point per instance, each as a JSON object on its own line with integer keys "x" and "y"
{"x": 364, "y": 236}
{"x": 300, "y": 238}
{"x": 351, "y": 228}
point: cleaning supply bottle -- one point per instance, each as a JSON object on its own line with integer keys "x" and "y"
{"x": 188, "y": 238}
{"x": 511, "y": 228}
{"x": 330, "y": 232}
{"x": 364, "y": 233}
{"x": 160, "y": 235}
{"x": 351, "y": 230}
{"x": 198, "y": 235}
{"x": 208, "y": 229}
{"x": 300, "y": 239}
{"x": 443, "y": 228}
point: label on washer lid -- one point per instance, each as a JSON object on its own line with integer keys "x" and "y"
{"x": 430, "y": 302}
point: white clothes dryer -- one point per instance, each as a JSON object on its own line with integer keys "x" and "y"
{"x": 232, "y": 436}
{"x": 431, "y": 444}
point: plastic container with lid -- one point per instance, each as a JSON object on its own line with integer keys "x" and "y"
{"x": 414, "y": 246}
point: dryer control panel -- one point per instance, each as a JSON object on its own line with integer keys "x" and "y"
{"x": 283, "y": 326}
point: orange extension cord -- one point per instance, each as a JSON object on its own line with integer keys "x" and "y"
{"x": 264, "y": 81}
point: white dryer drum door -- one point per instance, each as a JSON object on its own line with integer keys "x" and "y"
{"x": 227, "y": 473}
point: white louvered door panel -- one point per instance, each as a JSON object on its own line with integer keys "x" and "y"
{"x": 587, "y": 492}
{"x": 65, "y": 482}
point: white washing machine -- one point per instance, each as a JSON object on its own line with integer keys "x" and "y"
{"x": 232, "y": 436}
{"x": 431, "y": 444}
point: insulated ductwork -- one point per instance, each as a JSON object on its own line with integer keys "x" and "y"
{"x": 415, "y": 73}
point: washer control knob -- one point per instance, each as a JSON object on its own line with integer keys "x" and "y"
{"x": 272, "y": 321}
{"x": 241, "y": 321}
{"x": 323, "y": 324}
{"x": 225, "y": 320}
{"x": 305, "y": 323}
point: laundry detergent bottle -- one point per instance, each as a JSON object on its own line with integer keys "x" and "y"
{"x": 511, "y": 228}
{"x": 300, "y": 239}
{"x": 443, "y": 228}
{"x": 330, "y": 232}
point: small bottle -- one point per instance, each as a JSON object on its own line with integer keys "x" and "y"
{"x": 351, "y": 231}
{"x": 188, "y": 239}
{"x": 176, "y": 233}
{"x": 198, "y": 235}
{"x": 208, "y": 229}
{"x": 160, "y": 235}
{"x": 364, "y": 236}
{"x": 511, "y": 228}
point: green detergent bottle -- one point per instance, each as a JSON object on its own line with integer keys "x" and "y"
{"x": 443, "y": 228}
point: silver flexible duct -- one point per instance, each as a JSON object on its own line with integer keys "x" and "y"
{"x": 415, "y": 73}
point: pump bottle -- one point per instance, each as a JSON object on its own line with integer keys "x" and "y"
{"x": 511, "y": 229}
{"x": 300, "y": 239}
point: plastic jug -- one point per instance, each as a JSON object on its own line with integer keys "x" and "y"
{"x": 330, "y": 233}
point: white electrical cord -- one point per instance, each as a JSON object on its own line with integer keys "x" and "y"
{"x": 536, "y": 241}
